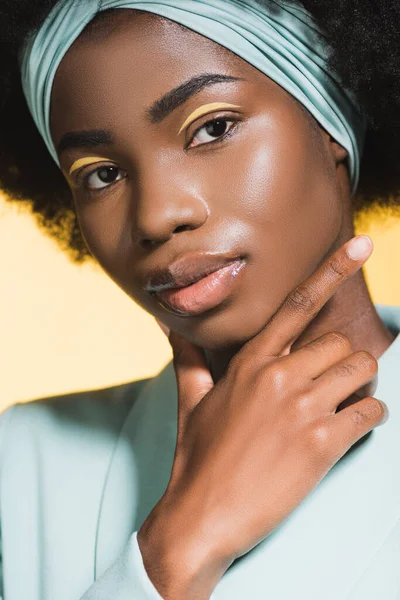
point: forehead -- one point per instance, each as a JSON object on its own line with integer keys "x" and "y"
{"x": 132, "y": 57}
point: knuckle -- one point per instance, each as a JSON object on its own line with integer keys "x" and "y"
{"x": 303, "y": 405}
{"x": 369, "y": 409}
{"x": 301, "y": 298}
{"x": 258, "y": 361}
{"x": 320, "y": 439}
{"x": 359, "y": 418}
{"x": 241, "y": 366}
{"x": 345, "y": 369}
{"x": 338, "y": 339}
{"x": 367, "y": 361}
{"x": 277, "y": 375}
{"x": 261, "y": 380}
{"x": 361, "y": 361}
{"x": 336, "y": 267}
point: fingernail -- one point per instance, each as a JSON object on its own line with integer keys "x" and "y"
{"x": 386, "y": 416}
{"x": 359, "y": 247}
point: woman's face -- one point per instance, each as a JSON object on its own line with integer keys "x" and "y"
{"x": 261, "y": 185}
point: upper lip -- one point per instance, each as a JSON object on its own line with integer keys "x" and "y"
{"x": 187, "y": 270}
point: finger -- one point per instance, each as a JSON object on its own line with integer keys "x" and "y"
{"x": 193, "y": 376}
{"x": 362, "y": 392}
{"x": 368, "y": 389}
{"x": 313, "y": 359}
{"x": 355, "y": 421}
{"x": 341, "y": 380}
{"x": 305, "y": 301}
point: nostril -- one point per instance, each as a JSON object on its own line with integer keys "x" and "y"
{"x": 147, "y": 244}
{"x": 182, "y": 228}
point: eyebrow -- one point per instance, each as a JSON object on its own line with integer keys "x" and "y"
{"x": 156, "y": 113}
{"x": 84, "y": 139}
{"x": 165, "y": 105}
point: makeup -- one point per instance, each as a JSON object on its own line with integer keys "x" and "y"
{"x": 205, "y": 294}
{"x": 203, "y": 110}
{"x": 88, "y": 160}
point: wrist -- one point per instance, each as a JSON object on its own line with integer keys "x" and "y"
{"x": 180, "y": 561}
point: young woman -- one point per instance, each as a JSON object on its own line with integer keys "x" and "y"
{"x": 210, "y": 155}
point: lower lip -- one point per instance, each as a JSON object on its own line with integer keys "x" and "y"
{"x": 203, "y": 295}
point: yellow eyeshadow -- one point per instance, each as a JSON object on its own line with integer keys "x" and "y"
{"x": 206, "y": 108}
{"x": 81, "y": 162}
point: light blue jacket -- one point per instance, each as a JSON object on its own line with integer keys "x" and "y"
{"x": 80, "y": 473}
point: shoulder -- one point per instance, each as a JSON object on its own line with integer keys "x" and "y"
{"x": 80, "y": 417}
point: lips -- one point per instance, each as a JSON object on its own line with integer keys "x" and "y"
{"x": 187, "y": 270}
{"x": 204, "y": 294}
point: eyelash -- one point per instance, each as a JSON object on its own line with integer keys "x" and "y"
{"x": 82, "y": 179}
{"x": 220, "y": 139}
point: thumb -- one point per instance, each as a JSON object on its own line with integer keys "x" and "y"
{"x": 193, "y": 376}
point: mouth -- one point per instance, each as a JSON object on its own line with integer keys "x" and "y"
{"x": 204, "y": 293}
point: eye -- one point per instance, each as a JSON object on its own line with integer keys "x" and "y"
{"x": 102, "y": 177}
{"x": 215, "y": 129}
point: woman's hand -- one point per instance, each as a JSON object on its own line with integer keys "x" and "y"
{"x": 251, "y": 447}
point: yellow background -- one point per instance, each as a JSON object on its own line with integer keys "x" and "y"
{"x": 67, "y": 328}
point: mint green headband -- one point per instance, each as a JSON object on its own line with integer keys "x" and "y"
{"x": 277, "y": 37}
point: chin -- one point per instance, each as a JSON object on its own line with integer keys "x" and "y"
{"x": 229, "y": 330}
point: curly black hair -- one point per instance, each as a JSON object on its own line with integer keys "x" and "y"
{"x": 365, "y": 54}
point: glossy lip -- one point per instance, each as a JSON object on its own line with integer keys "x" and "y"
{"x": 187, "y": 270}
{"x": 203, "y": 295}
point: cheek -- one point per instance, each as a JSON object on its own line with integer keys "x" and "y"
{"x": 280, "y": 172}
{"x": 105, "y": 227}
{"x": 284, "y": 193}
{"x": 284, "y": 188}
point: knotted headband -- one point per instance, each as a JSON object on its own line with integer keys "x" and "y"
{"x": 279, "y": 38}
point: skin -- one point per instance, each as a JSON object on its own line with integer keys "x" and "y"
{"x": 205, "y": 109}
{"x": 278, "y": 188}
{"x": 240, "y": 467}
{"x": 277, "y": 192}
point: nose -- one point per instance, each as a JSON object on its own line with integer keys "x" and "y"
{"x": 167, "y": 203}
